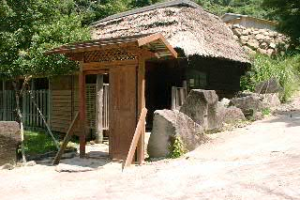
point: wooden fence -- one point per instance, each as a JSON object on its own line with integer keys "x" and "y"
{"x": 7, "y": 105}
{"x": 31, "y": 117}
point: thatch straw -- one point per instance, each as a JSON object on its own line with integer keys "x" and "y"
{"x": 190, "y": 28}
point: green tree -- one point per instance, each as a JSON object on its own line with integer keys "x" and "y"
{"x": 287, "y": 12}
{"x": 27, "y": 29}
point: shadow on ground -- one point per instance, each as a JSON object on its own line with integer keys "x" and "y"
{"x": 290, "y": 118}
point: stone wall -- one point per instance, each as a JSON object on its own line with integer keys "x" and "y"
{"x": 264, "y": 41}
{"x": 9, "y": 140}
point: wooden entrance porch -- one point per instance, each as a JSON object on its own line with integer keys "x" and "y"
{"x": 124, "y": 60}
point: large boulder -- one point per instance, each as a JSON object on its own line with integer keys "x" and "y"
{"x": 233, "y": 115}
{"x": 202, "y": 106}
{"x": 9, "y": 140}
{"x": 270, "y": 100}
{"x": 269, "y": 86}
{"x": 167, "y": 126}
{"x": 248, "y": 103}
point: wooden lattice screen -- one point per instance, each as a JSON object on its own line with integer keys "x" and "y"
{"x": 91, "y": 106}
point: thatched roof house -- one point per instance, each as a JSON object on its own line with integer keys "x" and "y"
{"x": 183, "y": 23}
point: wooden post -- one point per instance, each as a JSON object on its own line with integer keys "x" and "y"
{"x": 141, "y": 105}
{"x": 82, "y": 111}
{"x": 99, "y": 109}
{"x": 49, "y": 107}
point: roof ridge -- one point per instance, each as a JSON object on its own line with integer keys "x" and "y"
{"x": 148, "y": 8}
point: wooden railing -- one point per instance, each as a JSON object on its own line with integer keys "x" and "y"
{"x": 68, "y": 136}
{"x": 140, "y": 128}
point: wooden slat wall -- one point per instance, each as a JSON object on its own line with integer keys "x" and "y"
{"x": 65, "y": 103}
{"x": 61, "y": 110}
{"x": 61, "y": 103}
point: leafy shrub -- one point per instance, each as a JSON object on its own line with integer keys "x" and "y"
{"x": 266, "y": 111}
{"x": 286, "y": 70}
{"x": 177, "y": 149}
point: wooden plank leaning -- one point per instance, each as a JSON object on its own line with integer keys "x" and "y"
{"x": 68, "y": 136}
{"x": 137, "y": 134}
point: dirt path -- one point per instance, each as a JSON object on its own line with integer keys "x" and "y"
{"x": 260, "y": 161}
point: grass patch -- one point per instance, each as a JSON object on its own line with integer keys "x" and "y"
{"x": 266, "y": 111}
{"x": 38, "y": 143}
{"x": 284, "y": 69}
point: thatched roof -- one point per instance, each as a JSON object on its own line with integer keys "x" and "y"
{"x": 183, "y": 23}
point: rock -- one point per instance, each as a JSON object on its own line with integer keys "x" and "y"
{"x": 236, "y": 37}
{"x": 270, "y": 52}
{"x": 215, "y": 117}
{"x": 253, "y": 44}
{"x": 244, "y": 39}
{"x": 267, "y": 39}
{"x": 233, "y": 115}
{"x": 262, "y": 51}
{"x": 168, "y": 125}
{"x": 236, "y": 31}
{"x": 9, "y": 141}
{"x": 7, "y": 166}
{"x": 236, "y": 26}
{"x": 272, "y": 34}
{"x": 269, "y": 86}
{"x": 266, "y": 33}
{"x": 272, "y": 45}
{"x": 248, "y": 104}
{"x": 249, "y": 51}
{"x": 30, "y": 163}
{"x": 260, "y": 37}
{"x": 225, "y": 102}
{"x": 197, "y": 104}
{"x": 258, "y": 116}
{"x": 246, "y": 32}
{"x": 256, "y": 32}
{"x": 270, "y": 100}
{"x": 263, "y": 45}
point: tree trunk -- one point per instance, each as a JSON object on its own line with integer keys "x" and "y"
{"x": 20, "y": 117}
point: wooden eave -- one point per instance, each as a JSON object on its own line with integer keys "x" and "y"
{"x": 155, "y": 44}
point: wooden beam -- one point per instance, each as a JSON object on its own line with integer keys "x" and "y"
{"x": 101, "y": 71}
{"x": 93, "y": 66}
{"x": 141, "y": 105}
{"x": 149, "y": 39}
{"x": 99, "y": 109}
{"x": 136, "y": 137}
{"x": 94, "y": 47}
{"x": 82, "y": 109}
{"x": 67, "y": 138}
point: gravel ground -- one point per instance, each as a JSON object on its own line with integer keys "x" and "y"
{"x": 259, "y": 161}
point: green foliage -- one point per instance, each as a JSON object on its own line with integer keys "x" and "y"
{"x": 177, "y": 149}
{"x": 27, "y": 29}
{"x": 266, "y": 111}
{"x": 285, "y": 69}
{"x": 38, "y": 143}
{"x": 245, "y": 7}
{"x": 287, "y": 12}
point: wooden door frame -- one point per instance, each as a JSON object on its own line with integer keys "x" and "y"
{"x": 101, "y": 68}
